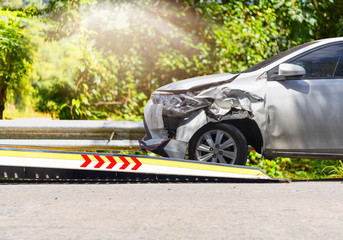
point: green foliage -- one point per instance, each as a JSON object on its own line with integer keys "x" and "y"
{"x": 306, "y": 20}
{"x": 124, "y": 59}
{"x": 274, "y": 168}
{"x": 336, "y": 170}
{"x": 296, "y": 168}
{"x": 244, "y": 35}
{"x": 120, "y": 51}
{"x": 15, "y": 56}
{"x": 55, "y": 67}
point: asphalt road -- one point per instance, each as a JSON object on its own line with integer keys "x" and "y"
{"x": 299, "y": 210}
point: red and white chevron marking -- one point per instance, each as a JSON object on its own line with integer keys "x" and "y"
{"x": 112, "y": 164}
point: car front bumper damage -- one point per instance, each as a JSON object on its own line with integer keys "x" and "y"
{"x": 161, "y": 138}
{"x": 171, "y": 121}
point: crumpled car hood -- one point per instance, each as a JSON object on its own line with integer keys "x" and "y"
{"x": 197, "y": 82}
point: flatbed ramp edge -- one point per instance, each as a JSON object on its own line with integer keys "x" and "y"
{"x": 45, "y": 165}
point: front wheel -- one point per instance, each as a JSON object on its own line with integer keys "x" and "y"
{"x": 220, "y": 143}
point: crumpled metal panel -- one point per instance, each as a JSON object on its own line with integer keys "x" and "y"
{"x": 226, "y": 99}
{"x": 154, "y": 121}
{"x": 190, "y": 125}
{"x": 197, "y": 82}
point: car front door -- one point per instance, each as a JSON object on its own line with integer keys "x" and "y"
{"x": 305, "y": 115}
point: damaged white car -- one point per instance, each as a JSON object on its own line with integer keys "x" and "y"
{"x": 289, "y": 105}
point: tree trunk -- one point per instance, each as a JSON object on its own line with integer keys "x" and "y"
{"x": 2, "y": 101}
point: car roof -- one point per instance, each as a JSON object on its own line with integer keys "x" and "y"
{"x": 315, "y": 44}
{"x": 328, "y": 40}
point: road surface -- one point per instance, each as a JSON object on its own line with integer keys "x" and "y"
{"x": 298, "y": 210}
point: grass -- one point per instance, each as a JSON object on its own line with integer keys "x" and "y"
{"x": 297, "y": 168}
{"x": 336, "y": 171}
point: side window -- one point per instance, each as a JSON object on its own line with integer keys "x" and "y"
{"x": 323, "y": 63}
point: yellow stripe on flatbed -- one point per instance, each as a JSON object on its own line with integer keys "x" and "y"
{"x": 51, "y": 155}
{"x": 203, "y": 166}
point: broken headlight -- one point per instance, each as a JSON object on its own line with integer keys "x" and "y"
{"x": 179, "y": 105}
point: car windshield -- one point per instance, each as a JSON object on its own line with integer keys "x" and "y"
{"x": 276, "y": 57}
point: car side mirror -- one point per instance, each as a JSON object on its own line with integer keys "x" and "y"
{"x": 291, "y": 71}
{"x": 287, "y": 71}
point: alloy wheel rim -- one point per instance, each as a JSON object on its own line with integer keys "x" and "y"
{"x": 216, "y": 146}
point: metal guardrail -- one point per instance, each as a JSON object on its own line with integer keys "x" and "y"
{"x": 92, "y": 134}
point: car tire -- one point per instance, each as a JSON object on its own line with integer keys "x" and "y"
{"x": 220, "y": 143}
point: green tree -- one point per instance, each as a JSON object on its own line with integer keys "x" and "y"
{"x": 131, "y": 48}
{"x": 306, "y": 20}
{"x": 15, "y": 55}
